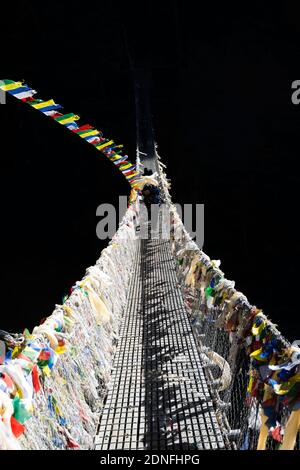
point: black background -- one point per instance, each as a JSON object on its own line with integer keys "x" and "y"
{"x": 224, "y": 123}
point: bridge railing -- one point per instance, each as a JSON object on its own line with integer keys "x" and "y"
{"x": 60, "y": 377}
{"x": 238, "y": 343}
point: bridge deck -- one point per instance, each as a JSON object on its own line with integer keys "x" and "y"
{"x": 158, "y": 396}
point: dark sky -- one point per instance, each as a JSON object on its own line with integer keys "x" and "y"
{"x": 224, "y": 123}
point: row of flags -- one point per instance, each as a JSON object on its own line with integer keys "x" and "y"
{"x": 87, "y": 132}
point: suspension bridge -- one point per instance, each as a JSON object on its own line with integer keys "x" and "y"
{"x": 154, "y": 349}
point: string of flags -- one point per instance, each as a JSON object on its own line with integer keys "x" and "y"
{"x": 87, "y": 132}
{"x": 46, "y": 402}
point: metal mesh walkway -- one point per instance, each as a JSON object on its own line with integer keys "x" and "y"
{"x": 158, "y": 396}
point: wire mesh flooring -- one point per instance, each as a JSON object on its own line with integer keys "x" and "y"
{"x": 158, "y": 396}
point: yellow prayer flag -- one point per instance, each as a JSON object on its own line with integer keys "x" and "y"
{"x": 11, "y": 86}
{"x": 46, "y": 371}
{"x": 60, "y": 349}
{"x": 70, "y": 119}
{"x": 124, "y": 166}
{"x": 43, "y": 104}
{"x": 87, "y": 133}
{"x": 100, "y": 147}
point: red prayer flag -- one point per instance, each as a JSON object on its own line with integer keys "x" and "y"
{"x": 16, "y": 427}
{"x": 55, "y": 115}
{"x": 44, "y": 356}
{"x": 35, "y": 379}
{"x": 86, "y": 127}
